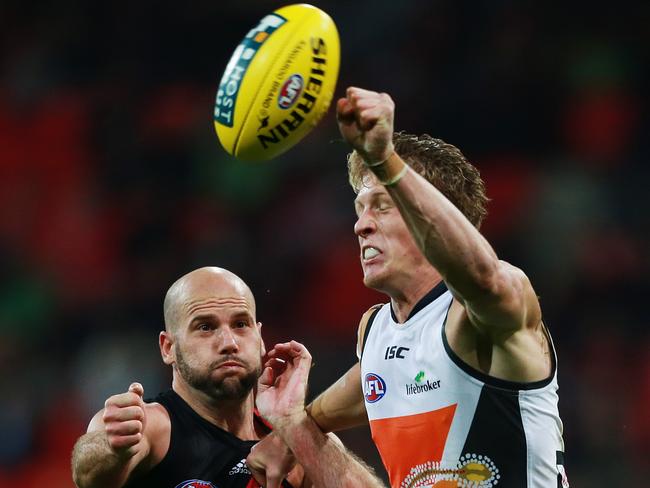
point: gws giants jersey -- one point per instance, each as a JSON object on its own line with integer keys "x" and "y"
{"x": 437, "y": 422}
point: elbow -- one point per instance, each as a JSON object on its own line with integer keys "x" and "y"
{"x": 81, "y": 477}
{"x": 488, "y": 279}
{"x": 79, "y": 480}
{"x": 498, "y": 281}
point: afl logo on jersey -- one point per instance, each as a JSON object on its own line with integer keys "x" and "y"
{"x": 374, "y": 388}
{"x": 290, "y": 91}
{"x": 195, "y": 484}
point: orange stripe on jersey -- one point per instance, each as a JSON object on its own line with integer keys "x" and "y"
{"x": 410, "y": 440}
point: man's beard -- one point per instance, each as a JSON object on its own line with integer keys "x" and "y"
{"x": 229, "y": 388}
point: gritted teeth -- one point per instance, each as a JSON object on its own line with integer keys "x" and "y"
{"x": 370, "y": 252}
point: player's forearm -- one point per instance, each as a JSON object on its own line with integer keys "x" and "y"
{"x": 341, "y": 406}
{"x": 95, "y": 465}
{"x": 326, "y": 463}
{"x": 446, "y": 237}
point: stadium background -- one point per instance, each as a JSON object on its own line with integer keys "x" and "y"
{"x": 113, "y": 184}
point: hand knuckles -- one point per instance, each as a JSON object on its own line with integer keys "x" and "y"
{"x": 107, "y": 415}
{"x": 119, "y": 442}
{"x": 134, "y": 426}
{"x": 114, "y": 442}
{"x": 139, "y": 414}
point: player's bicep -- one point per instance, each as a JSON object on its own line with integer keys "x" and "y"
{"x": 341, "y": 406}
{"x": 510, "y": 304}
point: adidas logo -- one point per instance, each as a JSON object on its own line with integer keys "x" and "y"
{"x": 240, "y": 468}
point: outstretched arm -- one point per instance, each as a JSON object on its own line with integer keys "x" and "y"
{"x": 341, "y": 406}
{"x": 496, "y": 295}
{"x": 281, "y": 400}
{"x": 115, "y": 444}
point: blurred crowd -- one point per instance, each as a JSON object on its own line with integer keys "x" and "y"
{"x": 113, "y": 184}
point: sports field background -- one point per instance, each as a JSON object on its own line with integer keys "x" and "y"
{"x": 113, "y": 184}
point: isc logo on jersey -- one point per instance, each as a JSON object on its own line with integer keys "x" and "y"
{"x": 290, "y": 91}
{"x": 195, "y": 484}
{"x": 374, "y": 387}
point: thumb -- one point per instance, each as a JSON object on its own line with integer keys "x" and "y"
{"x": 137, "y": 388}
{"x": 267, "y": 379}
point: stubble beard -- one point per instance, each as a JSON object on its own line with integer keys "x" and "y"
{"x": 229, "y": 388}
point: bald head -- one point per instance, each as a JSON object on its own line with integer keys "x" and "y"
{"x": 203, "y": 283}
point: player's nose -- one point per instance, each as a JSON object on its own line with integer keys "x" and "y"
{"x": 365, "y": 225}
{"x": 228, "y": 342}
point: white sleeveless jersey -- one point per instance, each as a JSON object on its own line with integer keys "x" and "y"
{"x": 437, "y": 422}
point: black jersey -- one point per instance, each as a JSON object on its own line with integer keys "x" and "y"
{"x": 200, "y": 454}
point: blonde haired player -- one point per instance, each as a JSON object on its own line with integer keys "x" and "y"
{"x": 457, "y": 373}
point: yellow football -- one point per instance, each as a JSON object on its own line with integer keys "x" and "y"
{"x": 278, "y": 83}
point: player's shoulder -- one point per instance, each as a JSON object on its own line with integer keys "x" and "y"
{"x": 157, "y": 412}
{"x": 514, "y": 271}
{"x": 369, "y": 313}
{"x": 157, "y": 430}
{"x": 366, "y": 319}
{"x": 158, "y": 422}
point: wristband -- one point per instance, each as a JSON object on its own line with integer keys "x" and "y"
{"x": 390, "y": 170}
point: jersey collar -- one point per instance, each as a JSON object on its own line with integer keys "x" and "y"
{"x": 430, "y": 297}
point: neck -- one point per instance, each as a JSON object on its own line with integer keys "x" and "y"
{"x": 234, "y": 416}
{"x": 403, "y": 301}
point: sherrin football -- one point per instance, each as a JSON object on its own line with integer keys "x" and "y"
{"x": 278, "y": 84}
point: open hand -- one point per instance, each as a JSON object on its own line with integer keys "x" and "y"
{"x": 282, "y": 387}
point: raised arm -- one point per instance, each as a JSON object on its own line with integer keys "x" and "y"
{"x": 495, "y": 294}
{"x": 116, "y": 443}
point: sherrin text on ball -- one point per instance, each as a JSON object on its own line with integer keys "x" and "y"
{"x": 278, "y": 83}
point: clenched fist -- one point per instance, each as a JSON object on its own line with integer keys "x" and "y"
{"x": 366, "y": 122}
{"x": 124, "y": 421}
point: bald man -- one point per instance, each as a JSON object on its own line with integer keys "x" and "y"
{"x": 199, "y": 433}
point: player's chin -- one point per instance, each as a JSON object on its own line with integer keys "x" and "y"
{"x": 372, "y": 278}
{"x": 223, "y": 374}
{"x": 235, "y": 374}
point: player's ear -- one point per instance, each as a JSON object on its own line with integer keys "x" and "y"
{"x": 262, "y": 346}
{"x": 166, "y": 343}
